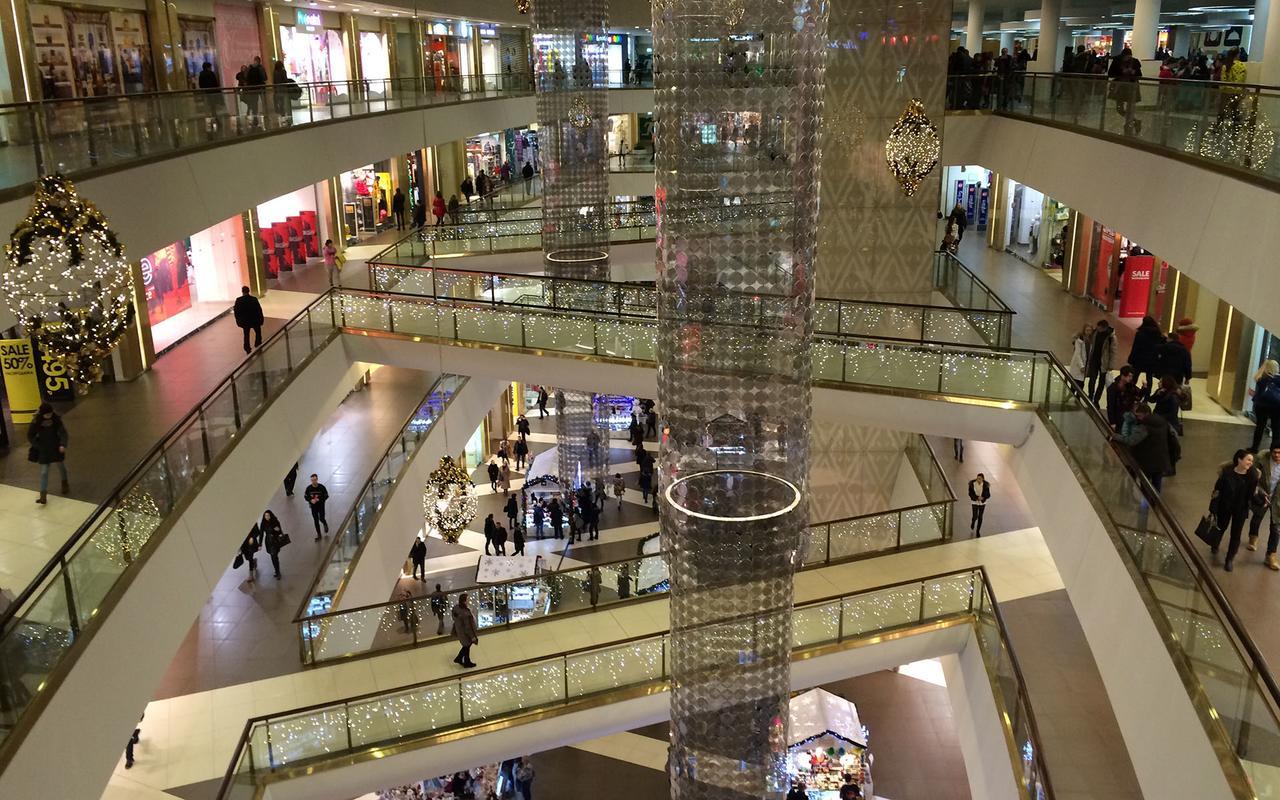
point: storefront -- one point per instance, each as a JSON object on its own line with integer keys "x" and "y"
{"x": 289, "y": 231}
{"x": 193, "y": 281}
{"x": 375, "y": 61}
{"x": 485, "y": 152}
{"x": 828, "y": 746}
{"x": 446, "y": 51}
{"x": 366, "y": 200}
{"x": 621, "y": 134}
{"x": 91, "y": 52}
{"x": 314, "y": 53}
{"x": 1036, "y": 227}
{"x": 199, "y": 46}
{"x": 970, "y": 187}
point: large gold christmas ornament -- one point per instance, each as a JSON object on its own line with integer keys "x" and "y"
{"x": 523, "y": 6}
{"x": 913, "y": 147}
{"x": 67, "y": 281}
{"x": 580, "y": 113}
{"x": 449, "y": 500}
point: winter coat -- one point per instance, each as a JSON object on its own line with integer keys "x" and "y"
{"x": 1079, "y": 358}
{"x": 46, "y": 435}
{"x": 247, "y": 311}
{"x": 1102, "y": 351}
{"x": 465, "y": 629}
{"x": 1146, "y": 344}
{"x": 1173, "y": 359}
{"x": 272, "y": 536}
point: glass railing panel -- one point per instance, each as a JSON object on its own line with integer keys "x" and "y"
{"x": 860, "y": 535}
{"x": 307, "y": 735}
{"x": 813, "y": 544}
{"x": 996, "y": 377}
{"x": 108, "y": 550}
{"x": 488, "y": 325}
{"x": 570, "y": 591}
{"x": 881, "y": 610}
{"x": 952, "y": 594}
{"x": 923, "y": 524}
{"x": 34, "y": 644}
{"x": 814, "y": 625}
{"x": 828, "y": 361}
{"x": 608, "y": 668}
{"x": 624, "y": 339}
{"x": 875, "y": 364}
{"x": 513, "y": 689}
{"x": 882, "y": 320}
{"x": 359, "y": 311}
{"x": 404, "y": 714}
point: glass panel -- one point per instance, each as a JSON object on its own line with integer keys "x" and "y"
{"x": 513, "y": 689}
{"x": 293, "y": 739}
{"x": 924, "y": 524}
{"x": 950, "y": 595}
{"x": 815, "y": 625}
{"x": 880, "y": 610}
{"x": 404, "y": 714}
{"x": 614, "y": 667}
{"x": 864, "y": 535}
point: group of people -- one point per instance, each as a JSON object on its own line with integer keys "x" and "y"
{"x": 268, "y": 534}
{"x": 481, "y": 189}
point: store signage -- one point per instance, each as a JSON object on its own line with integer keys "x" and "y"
{"x": 984, "y": 198}
{"x": 971, "y": 203}
{"x": 488, "y": 31}
{"x": 605, "y": 38}
{"x": 309, "y": 19}
{"x": 52, "y": 376}
{"x": 959, "y": 194}
{"x": 1137, "y": 285}
{"x": 1102, "y": 266}
{"x": 18, "y": 361}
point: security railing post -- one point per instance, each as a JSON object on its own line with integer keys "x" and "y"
{"x": 73, "y": 618}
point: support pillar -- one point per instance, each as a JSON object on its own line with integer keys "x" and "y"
{"x": 733, "y": 471}
{"x": 1006, "y": 41}
{"x": 20, "y": 59}
{"x": 1146, "y": 22}
{"x": 1047, "y": 50}
{"x": 973, "y": 33}
{"x": 268, "y": 34}
{"x": 1270, "y": 61}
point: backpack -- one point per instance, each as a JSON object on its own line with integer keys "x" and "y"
{"x": 1184, "y": 397}
{"x": 1270, "y": 395}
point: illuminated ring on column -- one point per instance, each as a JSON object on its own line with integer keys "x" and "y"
{"x": 792, "y": 492}
{"x": 577, "y": 257}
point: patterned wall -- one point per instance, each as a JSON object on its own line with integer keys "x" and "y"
{"x": 873, "y": 242}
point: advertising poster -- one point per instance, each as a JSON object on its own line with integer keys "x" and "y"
{"x": 984, "y": 200}
{"x": 129, "y": 30}
{"x": 93, "y": 58}
{"x": 198, "y": 47}
{"x": 971, "y": 203}
{"x": 1137, "y": 285}
{"x": 1101, "y": 288}
{"x": 18, "y": 361}
{"x": 165, "y": 281}
{"x": 55, "y": 383}
{"x": 959, "y": 195}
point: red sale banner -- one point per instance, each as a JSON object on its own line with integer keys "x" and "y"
{"x": 1136, "y": 291}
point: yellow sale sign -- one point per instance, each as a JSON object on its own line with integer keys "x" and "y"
{"x": 18, "y": 361}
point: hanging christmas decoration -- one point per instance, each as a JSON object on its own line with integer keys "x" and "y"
{"x": 1248, "y": 142}
{"x": 523, "y": 6}
{"x": 913, "y": 147}
{"x": 67, "y": 281}
{"x": 580, "y": 113}
{"x": 449, "y": 500}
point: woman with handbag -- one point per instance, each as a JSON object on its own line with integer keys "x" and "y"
{"x": 273, "y": 538}
{"x": 1232, "y": 494}
{"x": 48, "y": 439}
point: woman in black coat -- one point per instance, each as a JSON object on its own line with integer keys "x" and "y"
{"x": 273, "y": 538}
{"x": 249, "y": 548}
{"x": 1144, "y": 355}
{"x": 1232, "y": 494}
{"x": 48, "y": 439}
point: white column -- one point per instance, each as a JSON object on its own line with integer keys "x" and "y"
{"x": 1261, "y": 18}
{"x": 973, "y": 34}
{"x": 1006, "y": 40}
{"x": 1146, "y": 18}
{"x": 1047, "y": 52}
{"x": 1270, "y": 63}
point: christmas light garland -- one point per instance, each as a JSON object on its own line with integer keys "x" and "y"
{"x": 913, "y": 147}
{"x": 449, "y": 500}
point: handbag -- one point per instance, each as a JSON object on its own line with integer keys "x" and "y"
{"x": 239, "y": 562}
{"x": 1184, "y": 397}
{"x": 1208, "y": 531}
{"x": 284, "y": 539}
{"x": 33, "y": 455}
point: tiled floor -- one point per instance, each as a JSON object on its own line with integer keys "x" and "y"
{"x": 245, "y": 631}
{"x": 30, "y": 534}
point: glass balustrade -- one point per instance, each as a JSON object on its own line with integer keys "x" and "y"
{"x": 65, "y": 599}
{"x": 326, "y": 637}
{"x": 366, "y": 727}
{"x": 1225, "y": 124}
{"x": 363, "y": 517}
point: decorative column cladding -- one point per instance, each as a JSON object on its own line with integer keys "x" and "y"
{"x": 875, "y": 243}
{"x": 570, "y": 49}
{"x": 739, "y": 103}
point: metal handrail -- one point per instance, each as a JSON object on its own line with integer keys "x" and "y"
{"x": 313, "y": 589}
{"x": 980, "y": 587}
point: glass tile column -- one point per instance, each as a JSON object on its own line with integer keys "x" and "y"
{"x": 739, "y": 87}
{"x": 571, "y": 51}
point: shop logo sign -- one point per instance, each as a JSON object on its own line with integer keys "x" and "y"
{"x": 309, "y": 19}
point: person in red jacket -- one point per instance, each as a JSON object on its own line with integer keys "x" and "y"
{"x": 438, "y": 209}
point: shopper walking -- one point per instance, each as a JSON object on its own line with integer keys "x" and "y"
{"x": 517, "y": 540}
{"x": 482, "y": 186}
{"x": 960, "y": 219}
{"x": 438, "y": 209}
{"x": 979, "y": 494}
{"x": 280, "y": 91}
{"x": 522, "y": 452}
{"x": 505, "y": 480}
{"x": 397, "y": 207}
{"x": 1121, "y": 395}
{"x": 208, "y": 81}
{"x": 465, "y": 631}
{"x": 646, "y": 481}
{"x": 408, "y": 612}
{"x": 420, "y": 213}
{"x": 249, "y": 551}
{"x": 557, "y": 518}
{"x": 316, "y": 495}
{"x": 1147, "y": 437}
{"x": 1102, "y": 351}
{"x": 490, "y": 532}
{"x": 495, "y": 474}
{"x": 1270, "y": 483}
{"x": 255, "y": 82}
{"x": 1234, "y": 490}
{"x": 291, "y": 480}
{"x": 1174, "y": 360}
{"x": 624, "y": 582}
{"x": 591, "y": 518}
{"x": 439, "y": 600}
{"x": 48, "y": 437}
{"x": 418, "y": 555}
{"x": 467, "y": 188}
{"x": 594, "y": 581}
{"x": 619, "y": 488}
{"x": 513, "y": 510}
{"x": 526, "y": 172}
{"x": 273, "y": 538}
{"x": 455, "y": 210}
{"x": 539, "y": 518}
{"x": 1079, "y": 362}
{"x": 542, "y": 401}
{"x": 1144, "y": 354}
{"x": 522, "y": 426}
{"x": 1266, "y": 403}
{"x": 133, "y": 741}
{"x": 248, "y": 315}
{"x": 331, "y": 263}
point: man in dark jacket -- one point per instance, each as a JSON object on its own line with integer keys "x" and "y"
{"x": 1102, "y": 351}
{"x": 1147, "y": 437}
{"x": 316, "y": 494}
{"x": 1120, "y": 397}
{"x": 255, "y": 81}
{"x": 1173, "y": 359}
{"x": 418, "y": 555}
{"x": 208, "y": 81}
{"x": 1147, "y": 340}
{"x": 48, "y": 439}
{"x": 248, "y": 314}
{"x": 397, "y": 208}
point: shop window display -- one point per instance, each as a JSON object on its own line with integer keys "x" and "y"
{"x": 197, "y": 47}
{"x": 375, "y": 61}
{"x": 188, "y": 283}
{"x": 90, "y": 53}
{"x": 288, "y": 231}
{"x": 166, "y": 281}
{"x": 366, "y": 200}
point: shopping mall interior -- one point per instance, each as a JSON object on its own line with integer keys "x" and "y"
{"x": 701, "y": 399}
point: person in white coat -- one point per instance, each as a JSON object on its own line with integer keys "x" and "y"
{"x": 1080, "y": 355}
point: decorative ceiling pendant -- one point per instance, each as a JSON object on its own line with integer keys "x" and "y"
{"x": 913, "y": 147}
{"x": 67, "y": 281}
{"x": 523, "y": 6}
{"x": 580, "y": 113}
{"x": 449, "y": 500}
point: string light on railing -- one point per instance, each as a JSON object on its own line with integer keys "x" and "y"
{"x": 67, "y": 282}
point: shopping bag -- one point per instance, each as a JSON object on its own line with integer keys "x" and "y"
{"x": 239, "y": 562}
{"x": 1209, "y": 532}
